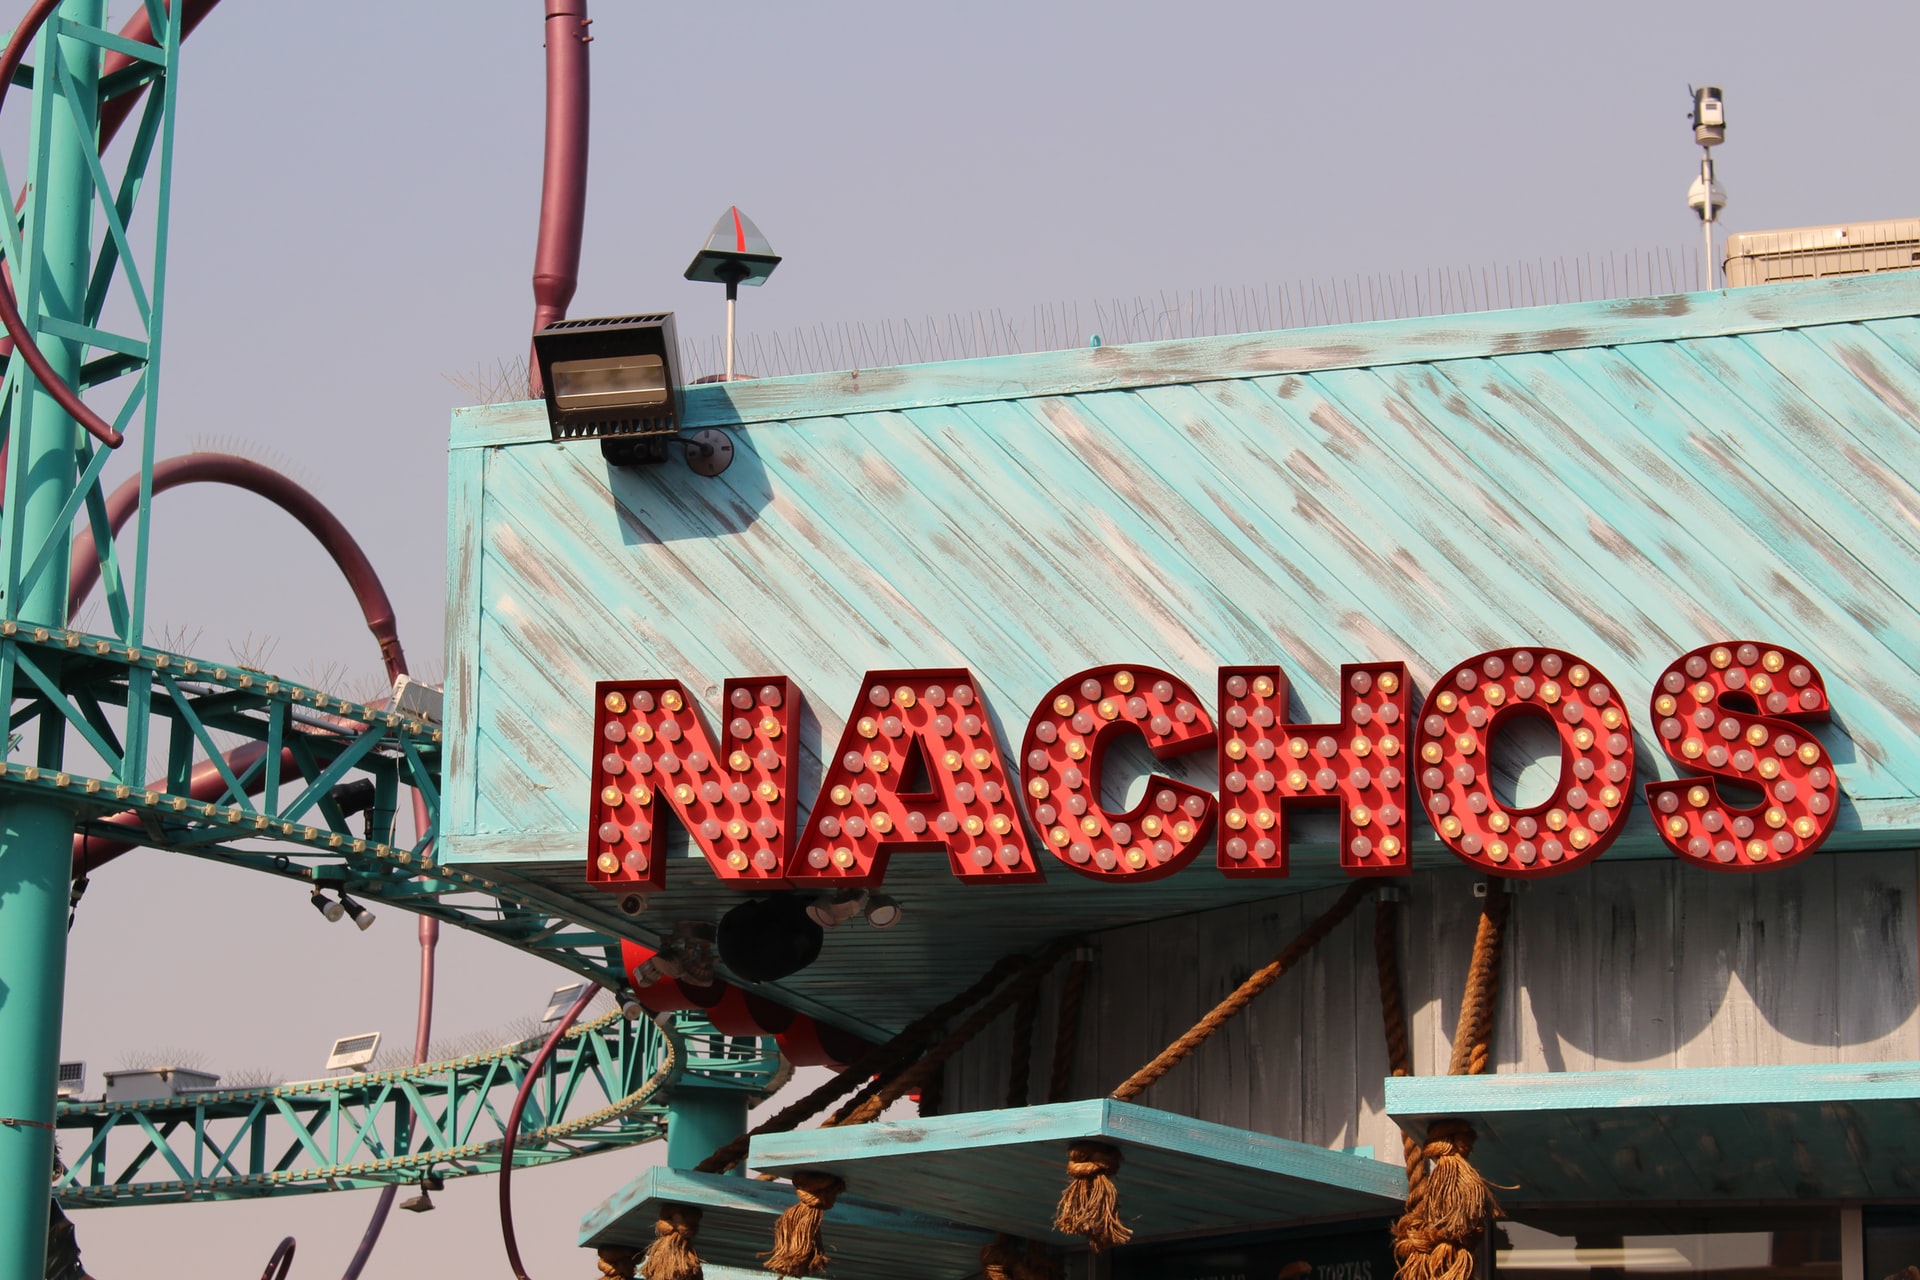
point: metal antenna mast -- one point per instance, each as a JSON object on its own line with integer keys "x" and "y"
{"x": 1706, "y": 197}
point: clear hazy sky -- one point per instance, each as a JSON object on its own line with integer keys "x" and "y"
{"x": 356, "y": 192}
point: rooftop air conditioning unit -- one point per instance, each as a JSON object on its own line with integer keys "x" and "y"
{"x": 157, "y": 1084}
{"x": 1810, "y": 253}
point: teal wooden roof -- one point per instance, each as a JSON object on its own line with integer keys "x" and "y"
{"x": 1625, "y": 480}
{"x": 1824, "y": 1132}
{"x": 1004, "y": 1170}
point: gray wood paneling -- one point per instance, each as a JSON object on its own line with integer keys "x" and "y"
{"x": 1620, "y": 965}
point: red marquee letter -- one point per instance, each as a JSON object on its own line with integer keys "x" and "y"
{"x": 913, "y": 723}
{"x": 1268, "y": 766}
{"x": 1066, "y": 740}
{"x": 1464, "y": 711}
{"x": 651, "y": 742}
{"x": 1705, "y": 708}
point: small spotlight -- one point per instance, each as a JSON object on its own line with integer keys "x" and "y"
{"x": 842, "y": 906}
{"x": 882, "y": 912}
{"x": 422, "y": 1203}
{"x": 632, "y": 1010}
{"x": 326, "y": 906}
{"x": 353, "y": 797}
{"x": 362, "y": 918}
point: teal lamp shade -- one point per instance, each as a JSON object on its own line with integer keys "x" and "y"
{"x": 736, "y": 252}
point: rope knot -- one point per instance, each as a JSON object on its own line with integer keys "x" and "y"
{"x": 1000, "y": 1258}
{"x": 1449, "y": 1138}
{"x": 1089, "y": 1159}
{"x": 1089, "y": 1206}
{"x": 817, "y": 1190}
{"x": 616, "y": 1262}
{"x": 796, "y": 1236}
{"x": 671, "y": 1255}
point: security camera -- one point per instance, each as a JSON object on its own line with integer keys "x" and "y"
{"x": 633, "y": 904}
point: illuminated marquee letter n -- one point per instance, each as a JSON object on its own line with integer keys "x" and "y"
{"x": 917, "y": 768}
{"x": 1065, "y": 742}
{"x": 1268, "y": 767}
{"x": 1728, "y": 711}
{"x": 734, "y": 797}
{"x": 1591, "y": 797}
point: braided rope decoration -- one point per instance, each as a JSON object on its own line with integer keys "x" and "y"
{"x": 1088, "y": 1204}
{"x": 1449, "y": 1203}
{"x": 797, "y": 1249}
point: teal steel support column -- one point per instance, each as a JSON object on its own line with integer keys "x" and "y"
{"x": 36, "y": 838}
{"x": 702, "y": 1120}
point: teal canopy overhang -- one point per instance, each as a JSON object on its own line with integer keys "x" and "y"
{"x": 1835, "y": 1133}
{"x": 867, "y": 1241}
{"x": 1004, "y": 1170}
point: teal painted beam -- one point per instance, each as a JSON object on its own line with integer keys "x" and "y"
{"x": 1004, "y": 1170}
{"x": 1849, "y": 1132}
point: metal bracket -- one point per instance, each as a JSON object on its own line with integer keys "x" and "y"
{"x": 709, "y": 452}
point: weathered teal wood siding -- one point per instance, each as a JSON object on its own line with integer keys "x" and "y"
{"x": 1626, "y": 480}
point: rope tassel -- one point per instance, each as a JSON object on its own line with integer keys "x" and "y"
{"x": 1000, "y": 1258}
{"x": 1448, "y": 1213}
{"x": 796, "y": 1237}
{"x": 616, "y": 1262}
{"x": 1008, "y": 1257}
{"x": 671, "y": 1255}
{"x": 1090, "y": 1204}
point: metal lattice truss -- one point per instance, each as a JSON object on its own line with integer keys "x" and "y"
{"x": 606, "y": 1086}
{"x": 125, "y": 288}
{"x": 89, "y": 696}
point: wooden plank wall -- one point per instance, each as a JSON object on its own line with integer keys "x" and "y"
{"x": 1625, "y": 965}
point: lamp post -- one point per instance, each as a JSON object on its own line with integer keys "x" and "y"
{"x": 735, "y": 253}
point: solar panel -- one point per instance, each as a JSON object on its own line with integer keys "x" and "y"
{"x": 560, "y": 1000}
{"x": 73, "y": 1078}
{"x": 353, "y": 1052}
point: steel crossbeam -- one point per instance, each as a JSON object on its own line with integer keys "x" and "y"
{"x": 78, "y": 700}
{"x": 606, "y": 1086}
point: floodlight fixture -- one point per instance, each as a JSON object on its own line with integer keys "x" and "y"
{"x": 837, "y": 908}
{"x": 362, "y": 918}
{"x": 353, "y": 1053}
{"x": 882, "y": 912}
{"x": 560, "y": 1001}
{"x": 326, "y": 906}
{"x": 614, "y": 379}
{"x": 735, "y": 253}
{"x": 422, "y": 1203}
